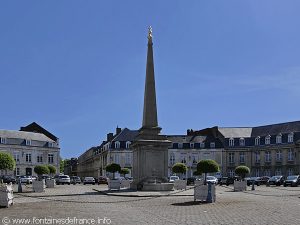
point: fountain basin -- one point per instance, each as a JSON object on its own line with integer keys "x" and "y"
{"x": 158, "y": 186}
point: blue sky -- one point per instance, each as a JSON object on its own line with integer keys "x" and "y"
{"x": 78, "y": 67}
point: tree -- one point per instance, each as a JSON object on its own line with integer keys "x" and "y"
{"x": 124, "y": 171}
{"x": 197, "y": 173}
{"x": 41, "y": 169}
{"x": 179, "y": 168}
{"x": 52, "y": 169}
{"x": 207, "y": 166}
{"x": 62, "y": 165}
{"x": 112, "y": 168}
{"x": 242, "y": 171}
{"x": 7, "y": 162}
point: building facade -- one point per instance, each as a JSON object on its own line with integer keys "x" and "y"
{"x": 31, "y": 146}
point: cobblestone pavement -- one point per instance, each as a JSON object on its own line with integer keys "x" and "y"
{"x": 265, "y": 205}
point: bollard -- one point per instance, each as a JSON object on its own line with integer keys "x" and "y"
{"x": 209, "y": 196}
{"x": 20, "y": 187}
{"x": 253, "y": 187}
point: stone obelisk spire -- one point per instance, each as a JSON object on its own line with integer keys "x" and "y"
{"x": 150, "y": 122}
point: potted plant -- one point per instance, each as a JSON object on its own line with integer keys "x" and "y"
{"x": 206, "y": 192}
{"x": 179, "y": 168}
{"x": 39, "y": 185}
{"x": 52, "y": 171}
{"x": 113, "y": 183}
{"x": 7, "y": 162}
{"x": 242, "y": 171}
{"x": 125, "y": 183}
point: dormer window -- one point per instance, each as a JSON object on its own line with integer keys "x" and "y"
{"x": 242, "y": 142}
{"x": 28, "y": 142}
{"x": 117, "y": 144}
{"x": 192, "y": 145}
{"x": 291, "y": 138}
{"x": 202, "y": 145}
{"x": 180, "y": 145}
{"x": 212, "y": 145}
{"x": 2, "y": 140}
{"x": 267, "y": 140}
{"x": 231, "y": 142}
{"x": 279, "y": 139}
{"x": 128, "y": 144}
{"x": 257, "y": 140}
{"x": 50, "y": 144}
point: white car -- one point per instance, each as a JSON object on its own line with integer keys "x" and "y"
{"x": 173, "y": 178}
{"x": 89, "y": 180}
{"x": 63, "y": 179}
{"x": 211, "y": 179}
{"x": 26, "y": 179}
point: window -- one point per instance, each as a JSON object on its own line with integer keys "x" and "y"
{"x": 39, "y": 158}
{"x": 242, "y": 157}
{"x": 279, "y": 139}
{"x": 172, "y": 158}
{"x": 231, "y": 157}
{"x": 231, "y": 173}
{"x": 267, "y": 156}
{"x": 267, "y": 172}
{"x": 127, "y": 158}
{"x": 2, "y": 140}
{"x": 17, "y": 157}
{"x": 257, "y": 172}
{"x": 117, "y": 158}
{"x": 278, "y": 156}
{"x": 212, "y": 145}
{"x": 202, "y": 145}
{"x": 267, "y": 140}
{"x": 278, "y": 172}
{"x": 180, "y": 145}
{"x": 242, "y": 142}
{"x": 192, "y": 145}
{"x": 257, "y": 157}
{"x": 50, "y": 158}
{"x": 290, "y": 138}
{"x": 17, "y": 171}
{"x": 128, "y": 143}
{"x": 183, "y": 158}
{"x": 194, "y": 159}
{"x": 257, "y": 141}
{"x": 28, "y": 157}
{"x": 28, "y": 142}
{"x": 231, "y": 142}
{"x": 117, "y": 144}
{"x": 290, "y": 155}
{"x": 290, "y": 171}
{"x": 50, "y": 144}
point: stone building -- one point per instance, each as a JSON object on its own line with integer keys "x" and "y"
{"x": 31, "y": 146}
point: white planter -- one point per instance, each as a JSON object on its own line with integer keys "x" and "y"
{"x": 114, "y": 184}
{"x": 201, "y": 192}
{"x": 6, "y": 195}
{"x": 179, "y": 184}
{"x": 38, "y": 185}
{"x": 50, "y": 183}
{"x": 125, "y": 184}
{"x": 240, "y": 185}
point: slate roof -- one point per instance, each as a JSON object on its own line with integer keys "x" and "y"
{"x": 230, "y": 132}
{"x": 126, "y": 135}
{"x": 179, "y": 138}
{"x": 24, "y": 135}
{"x": 275, "y": 129}
{"x": 36, "y": 128}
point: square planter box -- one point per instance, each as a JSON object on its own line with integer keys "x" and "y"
{"x": 202, "y": 193}
{"x": 6, "y": 195}
{"x": 38, "y": 185}
{"x": 50, "y": 183}
{"x": 114, "y": 184}
{"x": 240, "y": 185}
{"x": 125, "y": 184}
{"x": 179, "y": 184}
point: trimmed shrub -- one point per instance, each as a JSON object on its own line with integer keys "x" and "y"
{"x": 124, "y": 171}
{"x": 242, "y": 171}
{"x": 207, "y": 166}
{"x": 7, "y": 161}
{"x": 52, "y": 169}
{"x": 41, "y": 169}
{"x": 179, "y": 168}
{"x": 112, "y": 168}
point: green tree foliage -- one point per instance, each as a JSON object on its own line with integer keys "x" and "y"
{"x": 41, "y": 169}
{"x": 242, "y": 171}
{"x": 207, "y": 166}
{"x": 179, "y": 168}
{"x": 52, "y": 169}
{"x": 62, "y": 164}
{"x": 112, "y": 168}
{"x": 7, "y": 162}
{"x": 124, "y": 171}
{"x": 197, "y": 173}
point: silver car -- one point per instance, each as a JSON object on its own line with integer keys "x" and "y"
{"x": 63, "y": 179}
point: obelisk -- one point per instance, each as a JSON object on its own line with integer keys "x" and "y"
{"x": 150, "y": 149}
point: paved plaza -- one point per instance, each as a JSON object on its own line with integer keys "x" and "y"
{"x": 265, "y": 205}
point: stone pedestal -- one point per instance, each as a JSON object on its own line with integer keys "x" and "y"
{"x": 179, "y": 184}
{"x": 38, "y": 185}
{"x": 6, "y": 195}
{"x": 240, "y": 185}
{"x": 114, "y": 184}
{"x": 50, "y": 183}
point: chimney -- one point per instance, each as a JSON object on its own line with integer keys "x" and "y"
{"x": 118, "y": 130}
{"x": 110, "y": 136}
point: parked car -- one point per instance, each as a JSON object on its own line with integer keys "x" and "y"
{"x": 190, "y": 180}
{"x": 89, "y": 180}
{"x": 292, "y": 180}
{"x": 26, "y": 179}
{"x": 276, "y": 180}
{"x": 102, "y": 180}
{"x": 263, "y": 180}
{"x": 63, "y": 179}
{"x": 8, "y": 179}
{"x": 226, "y": 180}
{"x": 75, "y": 180}
{"x": 250, "y": 180}
{"x": 211, "y": 180}
{"x": 173, "y": 178}
{"x": 46, "y": 177}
